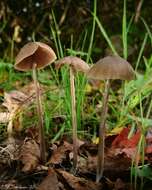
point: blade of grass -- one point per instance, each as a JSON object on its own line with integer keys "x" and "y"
{"x": 93, "y": 31}
{"x": 103, "y": 32}
{"x": 130, "y": 23}
{"x": 57, "y": 34}
{"x": 147, "y": 28}
{"x": 141, "y": 51}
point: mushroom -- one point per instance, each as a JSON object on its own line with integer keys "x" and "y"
{"x": 33, "y": 56}
{"x": 110, "y": 67}
{"x": 76, "y": 65}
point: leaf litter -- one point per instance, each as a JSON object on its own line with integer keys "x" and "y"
{"x": 23, "y": 151}
{"x": 58, "y": 171}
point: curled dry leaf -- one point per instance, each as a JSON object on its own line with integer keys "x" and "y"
{"x": 50, "y": 182}
{"x": 59, "y": 154}
{"x": 30, "y": 155}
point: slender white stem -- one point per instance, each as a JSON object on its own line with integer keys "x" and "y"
{"x": 100, "y": 159}
{"x": 40, "y": 115}
{"x": 74, "y": 119}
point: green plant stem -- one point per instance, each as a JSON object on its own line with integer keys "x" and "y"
{"x": 74, "y": 119}
{"x": 40, "y": 116}
{"x": 100, "y": 159}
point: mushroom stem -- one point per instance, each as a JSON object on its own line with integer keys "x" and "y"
{"x": 100, "y": 159}
{"x": 40, "y": 115}
{"x": 74, "y": 119}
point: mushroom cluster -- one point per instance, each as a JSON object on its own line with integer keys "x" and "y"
{"x": 37, "y": 55}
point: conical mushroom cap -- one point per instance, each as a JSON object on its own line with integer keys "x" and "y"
{"x": 76, "y": 63}
{"x": 111, "y": 67}
{"x": 34, "y": 52}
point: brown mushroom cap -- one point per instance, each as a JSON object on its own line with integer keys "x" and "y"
{"x": 111, "y": 67}
{"x": 76, "y": 63}
{"x": 34, "y": 52}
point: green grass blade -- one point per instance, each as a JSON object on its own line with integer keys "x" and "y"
{"x": 141, "y": 51}
{"x": 103, "y": 32}
{"x": 57, "y": 34}
{"x": 130, "y": 23}
{"x": 93, "y": 31}
{"x": 147, "y": 28}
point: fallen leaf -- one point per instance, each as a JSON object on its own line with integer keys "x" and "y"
{"x": 50, "y": 182}
{"x": 30, "y": 155}
{"x": 122, "y": 141}
{"x": 123, "y": 145}
{"x": 115, "y": 164}
{"x": 115, "y": 131}
{"x": 76, "y": 183}
{"x": 60, "y": 153}
{"x": 9, "y": 150}
{"x": 13, "y": 99}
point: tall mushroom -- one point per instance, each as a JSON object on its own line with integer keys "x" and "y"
{"x": 33, "y": 56}
{"x": 76, "y": 64}
{"x": 110, "y": 67}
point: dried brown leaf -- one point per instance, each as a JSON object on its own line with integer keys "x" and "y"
{"x": 60, "y": 153}
{"x": 77, "y": 183}
{"x": 115, "y": 164}
{"x": 9, "y": 150}
{"x": 13, "y": 99}
{"x": 50, "y": 182}
{"x": 30, "y": 155}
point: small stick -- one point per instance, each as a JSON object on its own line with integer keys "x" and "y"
{"x": 40, "y": 116}
{"x": 100, "y": 159}
{"x": 74, "y": 119}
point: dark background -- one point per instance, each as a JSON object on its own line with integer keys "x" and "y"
{"x": 32, "y": 19}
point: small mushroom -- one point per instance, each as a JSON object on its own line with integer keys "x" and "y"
{"x": 33, "y": 56}
{"x": 110, "y": 67}
{"x": 76, "y": 65}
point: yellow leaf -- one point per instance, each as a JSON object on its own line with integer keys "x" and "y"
{"x": 95, "y": 140}
{"x": 88, "y": 88}
{"x": 115, "y": 131}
